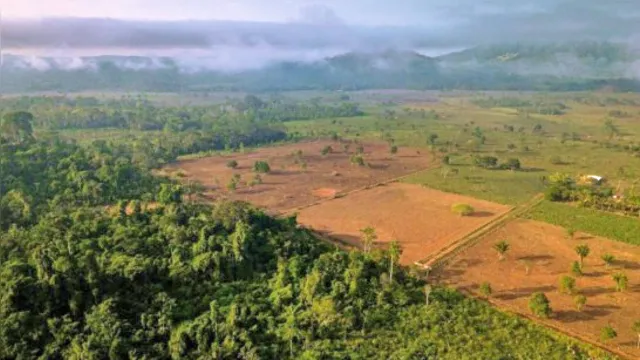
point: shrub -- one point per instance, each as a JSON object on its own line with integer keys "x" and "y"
{"x": 576, "y": 269}
{"x": 463, "y": 209}
{"x": 393, "y": 150}
{"x": 539, "y": 305}
{"x": 501, "y": 247}
{"x": 607, "y": 333}
{"x": 357, "y": 160}
{"x": 326, "y": 150}
{"x": 485, "y": 289}
{"x": 622, "y": 281}
{"x": 580, "y": 301}
{"x": 487, "y": 162}
{"x": 512, "y": 164}
{"x": 608, "y": 259}
{"x": 261, "y": 167}
{"x": 567, "y": 285}
{"x": 232, "y": 164}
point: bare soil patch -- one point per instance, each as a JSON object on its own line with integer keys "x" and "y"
{"x": 298, "y": 180}
{"x": 419, "y": 218}
{"x": 548, "y": 253}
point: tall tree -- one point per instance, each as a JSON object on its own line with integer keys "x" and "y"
{"x": 394, "y": 255}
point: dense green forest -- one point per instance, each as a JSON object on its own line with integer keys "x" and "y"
{"x": 160, "y": 277}
{"x": 139, "y": 113}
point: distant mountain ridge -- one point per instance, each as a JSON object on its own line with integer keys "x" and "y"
{"x": 570, "y": 66}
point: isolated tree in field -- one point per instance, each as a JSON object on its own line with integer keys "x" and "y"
{"x": 486, "y": 290}
{"x": 513, "y": 164}
{"x": 567, "y": 285}
{"x": 345, "y": 147}
{"x": 394, "y": 256}
{"x": 261, "y": 167}
{"x": 608, "y": 333}
{"x": 326, "y": 150}
{"x": 462, "y": 209}
{"x": 432, "y": 139}
{"x": 368, "y": 236}
{"x": 636, "y": 329}
{"x": 608, "y": 260}
{"x": 621, "y": 280}
{"x": 393, "y": 149}
{"x": 582, "y": 251}
{"x": 257, "y": 180}
{"x": 501, "y": 247}
{"x": 580, "y": 301}
{"x": 539, "y": 305}
{"x": 357, "y": 160}
{"x": 571, "y": 232}
{"x": 610, "y": 128}
{"x": 232, "y": 164}
{"x": 232, "y": 185}
{"x": 576, "y": 269}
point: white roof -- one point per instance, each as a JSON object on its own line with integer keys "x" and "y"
{"x": 595, "y": 177}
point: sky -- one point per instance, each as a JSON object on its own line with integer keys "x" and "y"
{"x": 359, "y": 12}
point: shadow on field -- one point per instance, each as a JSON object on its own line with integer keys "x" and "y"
{"x": 569, "y": 316}
{"x": 594, "y": 274}
{"x": 603, "y": 310}
{"x": 536, "y": 258}
{"x": 481, "y": 214}
{"x": 593, "y": 291}
{"x": 629, "y": 265}
{"x": 524, "y": 292}
{"x": 531, "y": 170}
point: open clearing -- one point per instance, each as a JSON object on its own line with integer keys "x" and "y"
{"x": 299, "y": 180}
{"x": 419, "y": 218}
{"x": 549, "y": 252}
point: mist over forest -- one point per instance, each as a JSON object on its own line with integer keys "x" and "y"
{"x": 580, "y": 46}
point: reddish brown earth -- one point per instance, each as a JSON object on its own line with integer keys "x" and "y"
{"x": 419, "y": 218}
{"x": 289, "y": 185}
{"x": 549, "y": 254}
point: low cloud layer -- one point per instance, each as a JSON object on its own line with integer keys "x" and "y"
{"x": 326, "y": 28}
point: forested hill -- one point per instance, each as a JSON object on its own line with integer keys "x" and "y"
{"x": 101, "y": 260}
{"x": 568, "y": 66}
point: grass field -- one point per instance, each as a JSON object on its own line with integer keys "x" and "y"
{"x": 575, "y": 142}
{"x": 595, "y": 222}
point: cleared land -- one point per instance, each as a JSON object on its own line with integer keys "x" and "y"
{"x": 300, "y": 175}
{"x": 419, "y": 218}
{"x": 548, "y": 253}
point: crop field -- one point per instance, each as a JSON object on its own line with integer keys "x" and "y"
{"x": 612, "y": 226}
{"x": 299, "y": 174}
{"x": 539, "y": 255}
{"x": 419, "y": 218}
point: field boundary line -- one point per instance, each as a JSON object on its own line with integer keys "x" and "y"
{"x": 513, "y": 311}
{"x": 443, "y": 256}
{"x": 364, "y": 188}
